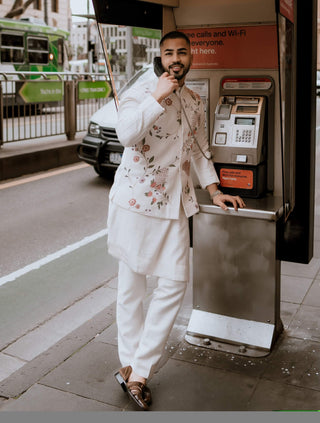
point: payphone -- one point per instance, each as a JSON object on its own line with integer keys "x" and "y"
{"x": 239, "y": 143}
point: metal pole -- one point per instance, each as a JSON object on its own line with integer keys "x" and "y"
{"x": 46, "y": 12}
{"x": 89, "y": 55}
{"x": 1, "y": 115}
{"x": 105, "y": 53}
{"x": 129, "y": 68}
{"x": 70, "y": 109}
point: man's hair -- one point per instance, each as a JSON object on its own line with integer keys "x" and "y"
{"x": 173, "y": 35}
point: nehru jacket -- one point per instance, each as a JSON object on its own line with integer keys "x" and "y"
{"x": 154, "y": 175}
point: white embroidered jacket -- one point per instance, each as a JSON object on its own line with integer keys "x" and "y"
{"x": 154, "y": 173}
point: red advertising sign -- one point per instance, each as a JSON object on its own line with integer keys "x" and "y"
{"x": 287, "y": 9}
{"x": 247, "y": 47}
{"x": 236, "y": 178}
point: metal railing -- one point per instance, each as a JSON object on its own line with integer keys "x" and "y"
{"x": 36, "y": 105}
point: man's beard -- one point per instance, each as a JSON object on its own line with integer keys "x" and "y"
{"x": 178, "y": 76}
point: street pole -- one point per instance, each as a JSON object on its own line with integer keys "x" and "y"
{"x": 46, "y": 12}
{"x": 129, "y": 45}
{"x": 89, "y": 53}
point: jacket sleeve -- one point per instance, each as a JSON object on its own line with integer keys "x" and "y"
{"x": 137, "y": 113}
{"x": 204, "y": 168}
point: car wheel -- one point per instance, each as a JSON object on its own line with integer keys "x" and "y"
{"x": 104, "y": 173}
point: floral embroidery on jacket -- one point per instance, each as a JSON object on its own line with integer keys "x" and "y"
{"x": 157, "y": 168}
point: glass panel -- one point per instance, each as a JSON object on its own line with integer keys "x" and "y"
{"x": 40, "y": 44}
{"x": 11, "y": 40}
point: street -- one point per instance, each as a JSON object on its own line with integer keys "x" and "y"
{"x": 53, "y": 249}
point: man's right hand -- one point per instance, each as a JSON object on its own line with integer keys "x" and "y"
{"x": 167, "y": 84}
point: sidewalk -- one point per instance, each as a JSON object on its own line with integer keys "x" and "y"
{"x": 76, "y": 372}
{"x": 36, "y": 155}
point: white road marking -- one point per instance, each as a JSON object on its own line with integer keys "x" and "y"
{"x": 51, "y": 257}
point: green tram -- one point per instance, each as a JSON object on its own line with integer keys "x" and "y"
{"x": 32, "y": 47}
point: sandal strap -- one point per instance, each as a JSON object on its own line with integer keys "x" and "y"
{"x": 136, "y": 387}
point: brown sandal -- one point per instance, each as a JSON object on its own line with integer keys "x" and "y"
{"x": 137, "y": 391}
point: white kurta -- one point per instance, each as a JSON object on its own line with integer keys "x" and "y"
{"x": 150, "y": 245}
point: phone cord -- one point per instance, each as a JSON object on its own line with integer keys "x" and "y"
{"x": 192, "y": 133}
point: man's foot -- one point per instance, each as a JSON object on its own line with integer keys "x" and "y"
{"x": 135, "y": 386}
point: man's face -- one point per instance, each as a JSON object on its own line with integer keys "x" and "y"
{"x": 176, "y": 58}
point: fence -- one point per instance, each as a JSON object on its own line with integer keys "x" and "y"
{"x": 35, "y": 105}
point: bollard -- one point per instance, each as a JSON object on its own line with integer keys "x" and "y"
{"x": 70, "y": 110}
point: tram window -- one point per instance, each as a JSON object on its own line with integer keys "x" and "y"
{"x": 38, "y": 50}
{"x": 12, "y": 48}
{"x": 11, "y": 40}
{"x": 9, "y": 55}
{"x": 38, "y": 44}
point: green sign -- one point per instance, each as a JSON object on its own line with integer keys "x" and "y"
{"x": 93, "y": 89}
{"x": 146, "y": 33}
{"x": 41, "y": 91}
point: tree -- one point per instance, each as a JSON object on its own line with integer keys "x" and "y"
{"x": 18, "y": 8}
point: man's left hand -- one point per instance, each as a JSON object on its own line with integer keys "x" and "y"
{"x": 221, "y": 200}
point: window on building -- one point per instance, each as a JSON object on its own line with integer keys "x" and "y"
{"x": 55, "y": 6}
{"x": 38, "y": 50}
{"x": 12, "y": 48}
{"x": 37, "y": 4}
{"x": 60, "y": 52}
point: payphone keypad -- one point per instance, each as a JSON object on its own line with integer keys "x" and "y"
{"x": 244, "y": 136}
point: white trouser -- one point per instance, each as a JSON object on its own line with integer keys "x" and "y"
{"x": 141, "y": 340}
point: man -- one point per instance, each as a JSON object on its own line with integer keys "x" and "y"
{"x": 161, "y": 125}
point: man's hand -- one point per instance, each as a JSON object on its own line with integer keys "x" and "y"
{"x": 221, "y": 200}
{"x": 166, "y": 85}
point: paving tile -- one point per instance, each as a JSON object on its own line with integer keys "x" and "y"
{"x": 109, "y": 335}
{"x": 313, "y": 296}
{"x": 294, "y": 289}
{"x": 221, "y": 360}
{"x": 273, "y": 396}
{"x": 42, "y": 338}
{"x": 43, "y": 398}
{"x": 296, "y": 362}
{"x": 306, "y": 323}
{"x": 287, "y": 313}
{"x": 309, "y": 270}
{"x": 90, "y": 373}
{"x": 182, "y": 386}
{"x": 9, "y": 365}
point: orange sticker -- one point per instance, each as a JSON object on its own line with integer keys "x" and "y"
{"x": 236, "y": 178}
{"x": 247, "y": 47}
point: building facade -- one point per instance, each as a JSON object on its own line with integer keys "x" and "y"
{"x": 57, "y": 11}
{"x": 117, "y": 38}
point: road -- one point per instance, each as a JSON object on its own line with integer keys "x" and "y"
{"x": 53, "y": 250}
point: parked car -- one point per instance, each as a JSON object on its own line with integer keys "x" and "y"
{"x": 100, "y": 147}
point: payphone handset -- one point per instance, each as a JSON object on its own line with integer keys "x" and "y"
{"x": 238, "y": 132}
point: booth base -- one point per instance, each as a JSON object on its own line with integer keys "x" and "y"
{"x": 236, "y": 276}
{"x": 228, "y": 334}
